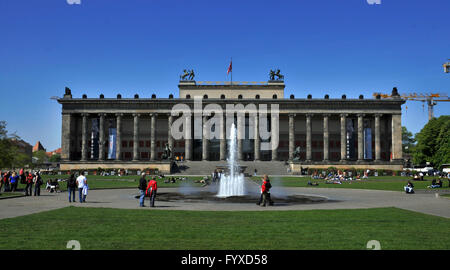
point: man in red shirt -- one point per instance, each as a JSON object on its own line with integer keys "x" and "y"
{"x": 151, "y": 191}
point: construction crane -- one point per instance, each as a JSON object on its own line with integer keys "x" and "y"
{"x": 430, "y": 99}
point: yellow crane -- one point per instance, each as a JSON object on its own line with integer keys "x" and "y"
{"x": 430, "y": 99}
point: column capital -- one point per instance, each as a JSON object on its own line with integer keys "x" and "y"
{"x": 102, "y": 114}
{"x": 378, "y": 114}
{"x": 343, "y": 114}
{"x": 326, "y": 114}
{"x": 309, "y": 115}
{"x": 84, "y": 114}
{"x": 119, "y": 114}
{"x": 292, "y": 114}
{"x": 155, "y": 114}
{"x": 136, "y": 114}
{"x": 361, "y": 115}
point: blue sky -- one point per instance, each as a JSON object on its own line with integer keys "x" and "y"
{"x": 141, "y": 46}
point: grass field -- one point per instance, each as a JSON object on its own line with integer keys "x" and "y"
{"x": 393, "y": 183}
{"x": 107, "y": 182}
{"x": 104, "y": 228}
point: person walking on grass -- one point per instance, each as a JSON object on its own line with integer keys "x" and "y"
{"x": 81, "y": 182}
{"x": 151, "y": 191}
{"x": 37, "y": 184}
{"x": 142, "y": 188}
{"x": 71, "y": 187}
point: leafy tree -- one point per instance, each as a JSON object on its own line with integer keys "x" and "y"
{"x": 408, "y": 141}
{"x": 55, "y": 158}
{"x": 433, "y": 142}
{"x": 40, "y": 157}
{"x": 7, "y": 149}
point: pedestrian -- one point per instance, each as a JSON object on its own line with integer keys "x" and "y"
{"x": 142, "y": 188}
{"x": 23, "y": 177}
{"x": 265, "y": 190}
{"x": 37, "y": 184}
{"x": 151, "y": 191}
{"x": 71, "y": 187}
{"x": 14, "y": 179}
{"x": 1, "y": 181}
{"x": 81, "y": 182}
{"x": 29, "y": 187}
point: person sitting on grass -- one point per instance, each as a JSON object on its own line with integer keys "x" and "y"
{"x": 409, "y": 188}
{"x": 435, "y": 184}
{"x": 312, "y": 183}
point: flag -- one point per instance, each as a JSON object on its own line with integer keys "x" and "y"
{"x": 230, "y": 67}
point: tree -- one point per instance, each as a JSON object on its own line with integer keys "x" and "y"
{"x": 408, "y": 141}
{"x": 40, "y": 157}
{"x": 433, "y": 142}
{"x": 55, "y": 158}
{"x": 7, "y": 149}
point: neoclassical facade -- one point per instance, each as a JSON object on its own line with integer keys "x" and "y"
{"x": 314, "y": 132}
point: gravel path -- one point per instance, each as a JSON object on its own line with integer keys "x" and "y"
{"x": 427, "y": 203}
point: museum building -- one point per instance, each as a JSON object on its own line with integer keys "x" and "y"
{"x": 313, "y": 132}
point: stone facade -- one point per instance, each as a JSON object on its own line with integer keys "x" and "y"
{"x": 339, "y": 132}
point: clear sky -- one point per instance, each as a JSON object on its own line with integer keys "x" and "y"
{"x": 141, "y": 46}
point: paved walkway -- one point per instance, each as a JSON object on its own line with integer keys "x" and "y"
{"x": 426, "y": 203}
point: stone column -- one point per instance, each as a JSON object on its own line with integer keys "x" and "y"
{"x": 223, "y": 138}
{"x": 119, "y": 136}
{"x": 169, "y": 133}
{"x": 360, "y": 137}
{"x": 377, "y": 137}
{"x": 188, "y": 137}
{"x": 397, "y": 152}
{"x": 326, "y": 135}
{"x": 343, "y": 136}
{"x": 274, "y": 135}
{"x": 205, "y": 137}
{"x": 291, "y": 135}
{"x": 84, "y": 137}
{"x": 66, "y": 131}
{"x": 240, "y": 135}
{"x": 308, "y": 138}
{"x": 136, "y": 137}
{"x": 101, "y": 139}
{"x": 257, "y": 148}
{"x": 153, "y": 136}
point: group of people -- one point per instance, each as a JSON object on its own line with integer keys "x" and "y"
{"x": 436, "y": 183}
{"x": 10, "y": 180}
{"x": 147, "y": 189}
{"x": 79, "y": 183}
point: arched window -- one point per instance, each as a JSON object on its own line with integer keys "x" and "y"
{"x": 257, "y": 96}
{"x": 274, "y": 96}
{"x": 240, "y": 97}
{"x": 205, "y": 96}
{"x": 222, "y": 96}
{"x": 188, "y": 96}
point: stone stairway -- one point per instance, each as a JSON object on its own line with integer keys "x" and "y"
{"x": 207, "y": 167}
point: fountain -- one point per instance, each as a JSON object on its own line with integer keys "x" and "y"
{"x": 232, "y": 182}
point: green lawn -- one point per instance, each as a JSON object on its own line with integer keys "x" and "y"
{"x": 106, "y": 182}
{"x": 394, "y": 183}
{"x": 105, "y": 228}
{"x": 10, "y": 194}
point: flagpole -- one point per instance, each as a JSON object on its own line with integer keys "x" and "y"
{"x": 231, "y": 71}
